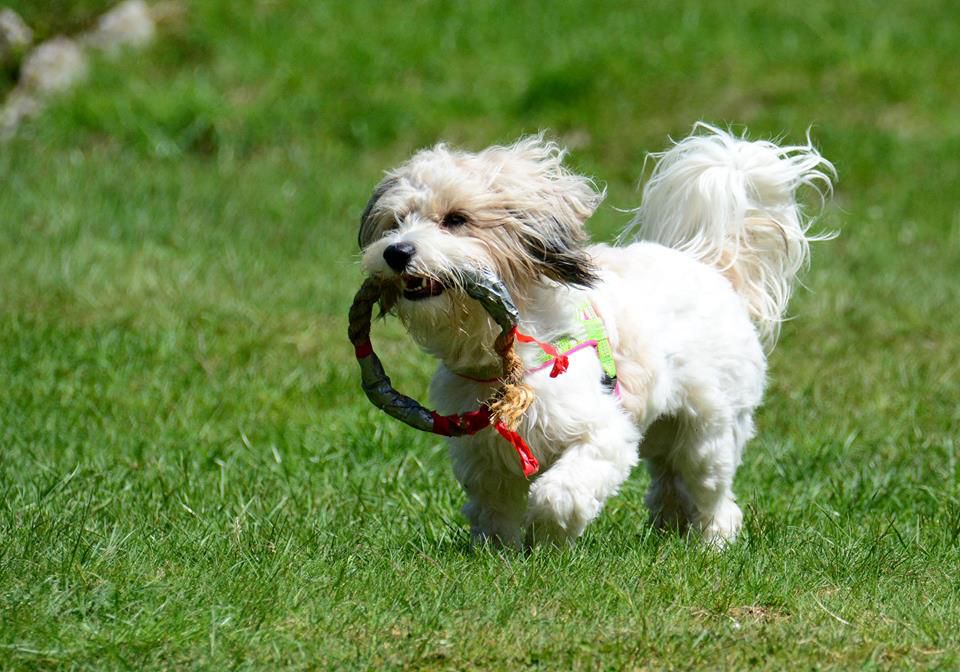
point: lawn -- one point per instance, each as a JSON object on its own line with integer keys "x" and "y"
{"x": 191, "y": 478}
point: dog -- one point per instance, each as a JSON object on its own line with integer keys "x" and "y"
{"x": 688, "y": 302}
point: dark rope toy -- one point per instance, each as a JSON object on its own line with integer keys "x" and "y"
{"x": 503, "y": 410}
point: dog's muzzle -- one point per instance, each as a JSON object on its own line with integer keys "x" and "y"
{"x": 417, "y": 288}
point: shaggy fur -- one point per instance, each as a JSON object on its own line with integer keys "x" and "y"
{"x": 687, "y": 308}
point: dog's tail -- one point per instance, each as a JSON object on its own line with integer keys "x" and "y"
{"x": 732, "y": 203}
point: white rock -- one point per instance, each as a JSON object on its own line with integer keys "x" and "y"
{"x": 15, "y": 35}
{"x": 129, "y": 24}
{"x": 19, "y": 106}
{"x": 54, "y": 66}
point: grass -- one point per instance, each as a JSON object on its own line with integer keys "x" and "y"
{"x": 191, "y": 478}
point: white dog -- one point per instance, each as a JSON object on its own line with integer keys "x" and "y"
{"x": 686, "y": 311}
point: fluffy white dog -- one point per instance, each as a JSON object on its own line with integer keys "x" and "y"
{"x": 686, "y": 311}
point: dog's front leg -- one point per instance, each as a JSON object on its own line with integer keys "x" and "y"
{"x": 495, "y": 519}
{"x": 496, "y": 497}
{"x": 573, "y": 490}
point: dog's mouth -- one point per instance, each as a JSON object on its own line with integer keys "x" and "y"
{"x": 417, "y": 288}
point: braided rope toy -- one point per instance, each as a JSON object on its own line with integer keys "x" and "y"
{"x": 503, "y": 410}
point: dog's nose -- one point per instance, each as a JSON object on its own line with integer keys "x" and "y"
{"x": 399, "y": 255}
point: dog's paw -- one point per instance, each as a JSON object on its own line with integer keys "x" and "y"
{"x": 668, "y": 519}
{"x": 548, "y": 533}
{"x": 723, "y": 525}
{"x": 558, "y": 514}
{"x": 490, "y": 528}
{"x": 669, "y": 511}
{"x": 483, "y": 538}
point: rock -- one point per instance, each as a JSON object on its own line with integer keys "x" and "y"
{"x": 60, "y": 63}
{"x": 19, "y": 106}
{"x": 15, "y": 35}
{"x": 54, "y": 66}
{"x": 129, "y": 24}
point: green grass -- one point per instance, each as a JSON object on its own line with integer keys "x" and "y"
{"x": 47, "y": 18}
{"x": 191, "y": 478}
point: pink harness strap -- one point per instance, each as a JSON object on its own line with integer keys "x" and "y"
{"x": 557, "y": 357}
{"x": 580, "y": 346}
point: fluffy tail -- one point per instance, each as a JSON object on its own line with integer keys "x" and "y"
{"x": 731, "y": 203}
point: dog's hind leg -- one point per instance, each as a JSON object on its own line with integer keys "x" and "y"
{"x": 573, "y": 490}
{"x": 706, "y": 460}
{"x": 667, "y": 497}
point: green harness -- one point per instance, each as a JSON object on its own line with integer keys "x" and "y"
{"x": 591, "y": 326}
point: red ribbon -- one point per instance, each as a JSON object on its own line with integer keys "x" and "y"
{"x": 472, "y": 422}
{"x": 560, "y": 362}
{"x": 528, "y": 462}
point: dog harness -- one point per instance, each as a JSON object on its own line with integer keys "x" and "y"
{"x": 555, "y": 355}
{"x": 558, "y": 352}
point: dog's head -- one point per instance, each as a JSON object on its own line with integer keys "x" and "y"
{"x": 512, "y": 210}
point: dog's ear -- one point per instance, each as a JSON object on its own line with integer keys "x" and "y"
{"x": 371, "y": 218}
{"x": 552, "y": 204}
{"x": 559, "y": 256}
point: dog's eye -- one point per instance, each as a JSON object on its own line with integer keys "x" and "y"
{"x": 452, "y": 220}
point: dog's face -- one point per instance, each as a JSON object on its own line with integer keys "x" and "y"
{"x": 515, "y": 211}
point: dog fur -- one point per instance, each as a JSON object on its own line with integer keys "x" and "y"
{"x": 692, "y": 296}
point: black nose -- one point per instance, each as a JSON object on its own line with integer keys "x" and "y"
{"x": 399, "y": 255}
